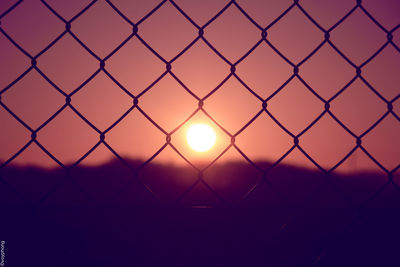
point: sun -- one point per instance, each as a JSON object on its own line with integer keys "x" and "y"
{"x": 200, "y": 137}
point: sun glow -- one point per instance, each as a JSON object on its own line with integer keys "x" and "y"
{"x": 200, "y": 137}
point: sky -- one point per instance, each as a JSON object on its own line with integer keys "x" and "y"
{"x": 102, "y": 102}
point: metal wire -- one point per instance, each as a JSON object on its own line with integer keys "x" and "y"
{"x": 200, "y": 108}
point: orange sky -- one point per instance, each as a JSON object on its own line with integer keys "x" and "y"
{"x": 67, "y": 64}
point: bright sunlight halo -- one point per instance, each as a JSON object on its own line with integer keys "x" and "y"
{"x": 200, "y": 137}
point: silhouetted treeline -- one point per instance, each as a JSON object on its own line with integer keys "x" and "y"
{"x": 296, "y": 217}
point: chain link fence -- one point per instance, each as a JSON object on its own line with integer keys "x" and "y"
{"x": 136, "y": 99}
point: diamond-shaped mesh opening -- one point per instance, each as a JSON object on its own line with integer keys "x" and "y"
{"x": 67, "y": 64}
{"x": 101, "y": 101}
{"x": 232, "y": 105}
{"x": 289, "y": 30}
{"x": 167, "y": 24}
{"x": 96, "y": 28}
{"x": 327, "y": 72}
{"x": 200, "y": 69}
{"x": 264, "y": 71}
{"x": 358, "y": 116}
{"x": 33, "y": 31}
{"x": 168, "y": 103}
{"x": 356, "y": 29}
{"x": 263, "y": 133}
{"x": 70, "y": 144}
{"x": 327, "y": 141}
{"x": 135, "y": 137}
{"x": 33, "y": 99}
{"x": 135, "y": 67}
{"x": 224, "y": 37}
{"x": 289, "y": 108}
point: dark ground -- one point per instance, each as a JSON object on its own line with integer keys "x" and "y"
{"x": 299, "y": 218}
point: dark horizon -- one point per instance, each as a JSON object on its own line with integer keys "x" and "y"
{"x": 297, "y": 217}
{"x": 233, "y": 180}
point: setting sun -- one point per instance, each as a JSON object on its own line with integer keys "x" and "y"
{"x": 200, "y": 137}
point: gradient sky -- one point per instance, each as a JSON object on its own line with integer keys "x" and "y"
{"x": 102, "y": 102}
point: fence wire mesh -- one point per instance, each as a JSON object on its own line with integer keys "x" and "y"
{"x": 169, "y": 70}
